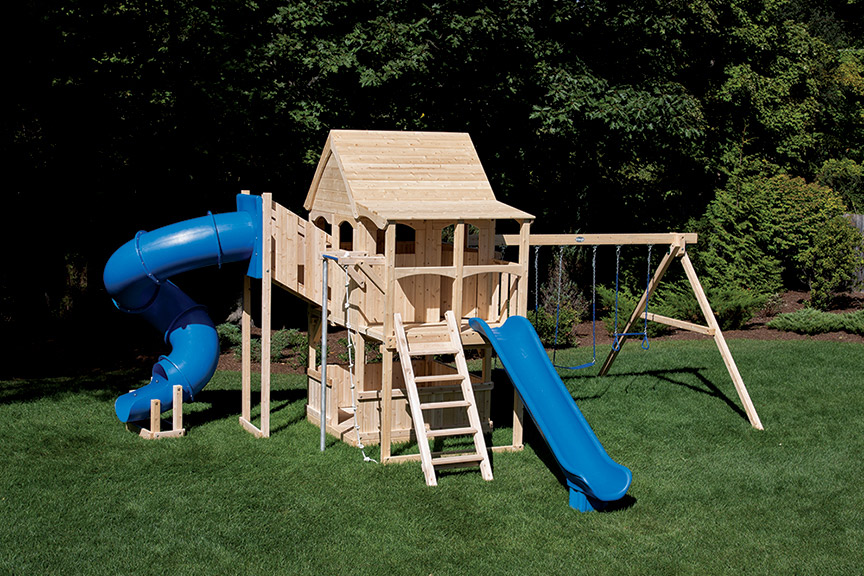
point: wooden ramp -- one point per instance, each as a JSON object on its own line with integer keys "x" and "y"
{"x": 449, "y": 343}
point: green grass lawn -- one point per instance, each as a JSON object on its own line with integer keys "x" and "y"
{"x": 710, "y": 495}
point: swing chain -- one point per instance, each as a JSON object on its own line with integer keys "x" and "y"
{"x": 615, "y": 339}
{"x": 618, "y": 338}
{"x": 536, "y": 282}
{"x": 558, "y": 302}
{"x": 645, "y": 344}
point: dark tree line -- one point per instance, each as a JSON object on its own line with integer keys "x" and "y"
{"x": 596, "y": 116}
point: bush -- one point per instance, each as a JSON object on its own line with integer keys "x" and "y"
{"x": 559, "y": 288}
{"x": 627, "y": 302}
{"x": 757, "y": 231}
{"x": 846, "y": 177}
{"x": 544, "y": 324}
{"x": 832, "y": 262}
{"x": 230, "y": 338}
{"x": 811, "y": 321}
{"x": 733, "y": 307}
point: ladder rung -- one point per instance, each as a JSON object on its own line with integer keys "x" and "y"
{"x": 446, "y": 404}
{"x": 439, "y": 378}
{"x": 450, "y": 432}
{"x": 462, "y": 460}
{"x": 431, "y": 349}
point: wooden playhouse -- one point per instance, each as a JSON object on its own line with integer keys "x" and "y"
{"x": 410, "y": 217}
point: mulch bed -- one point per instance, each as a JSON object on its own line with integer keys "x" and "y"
{"x": 755, "y": 329}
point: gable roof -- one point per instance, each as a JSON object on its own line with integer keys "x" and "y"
{"x": 387, "y": 176}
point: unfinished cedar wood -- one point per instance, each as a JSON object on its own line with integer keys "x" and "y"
{"x": 383, "y": 203}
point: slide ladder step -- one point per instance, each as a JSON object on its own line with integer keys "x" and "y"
{"x": 445, "y": 404}
{"x": 431, "y": 349}
{"x": 440, "y": 432}
{"x": 439, "y": 378}
{"x": 428, "y": 460}
{"x": 454, "y": 461}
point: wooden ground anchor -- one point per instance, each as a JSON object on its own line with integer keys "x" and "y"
{"x": 155, "y": 431}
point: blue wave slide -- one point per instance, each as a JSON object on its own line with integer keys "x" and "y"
{"x": 136, "y": 277}
{"x": 593, "y": 477}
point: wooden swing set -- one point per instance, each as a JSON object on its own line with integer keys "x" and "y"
{"x": 677, "y": 250}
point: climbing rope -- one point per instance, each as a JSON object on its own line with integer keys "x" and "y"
{"x": 351, "y": 356}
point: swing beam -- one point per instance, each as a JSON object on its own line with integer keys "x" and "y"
{"x": 677, "y": 243}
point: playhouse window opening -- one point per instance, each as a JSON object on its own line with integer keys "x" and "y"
{"x": 322, "y": 224}
{"x": 346, "y": 236}
{"x": 405, "y": 239}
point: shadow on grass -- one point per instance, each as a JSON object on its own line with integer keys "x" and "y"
{"x": 223, "y": 404}
{"x": 217, "y": 404}
{"x": 102, "y": 386}
{"x": 689, "y": 378}
{"x": 678, "y": 377}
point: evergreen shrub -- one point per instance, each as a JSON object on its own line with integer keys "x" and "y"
{"x": 812, "y": 321}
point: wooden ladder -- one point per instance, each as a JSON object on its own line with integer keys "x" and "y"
{"x": 452, "y": 345}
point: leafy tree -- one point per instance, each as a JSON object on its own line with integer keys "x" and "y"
{"x": 597, "y": 116}
{"x": 846, "y": 177}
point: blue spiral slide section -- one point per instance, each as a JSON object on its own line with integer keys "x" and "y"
{"x": 136, "y": 276}
{"x": 593, "y": 477}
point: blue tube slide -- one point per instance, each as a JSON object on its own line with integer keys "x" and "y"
{"x": 136, "y": 277}
{"x": 593, "y": 477}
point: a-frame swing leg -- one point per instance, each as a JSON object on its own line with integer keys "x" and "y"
{"x": 743, "y": 395}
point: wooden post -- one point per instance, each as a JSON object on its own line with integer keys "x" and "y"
{"x": 155, "y": 416}
{"x": 389, "y": 334}
{"x": 743, "y": 395}
{"x": 155, "y": 431}
{"x": 177, "y": 410}
{"x": 459, "y": 264}
{"x": 525, "y": 265}
{"x": 246, "y": 351}
{"x": 266, "y": 292}
{"x": 266, "y": 289}
{"x": 521, "y": 309}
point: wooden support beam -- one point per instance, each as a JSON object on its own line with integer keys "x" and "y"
{"x": 521, "y": 309}
{"x": 177, "y": 408}
{"x": 600, "y": 239}
{"x": 155, "y": 431}
{"x": 246, "y": 329}
{"x": 683, "y": 325}
{"x": 525, "y": 264}
{"x": 246, "y": 351}
{"x": 678, "y": 250}
{"x": 155, "y": 416}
